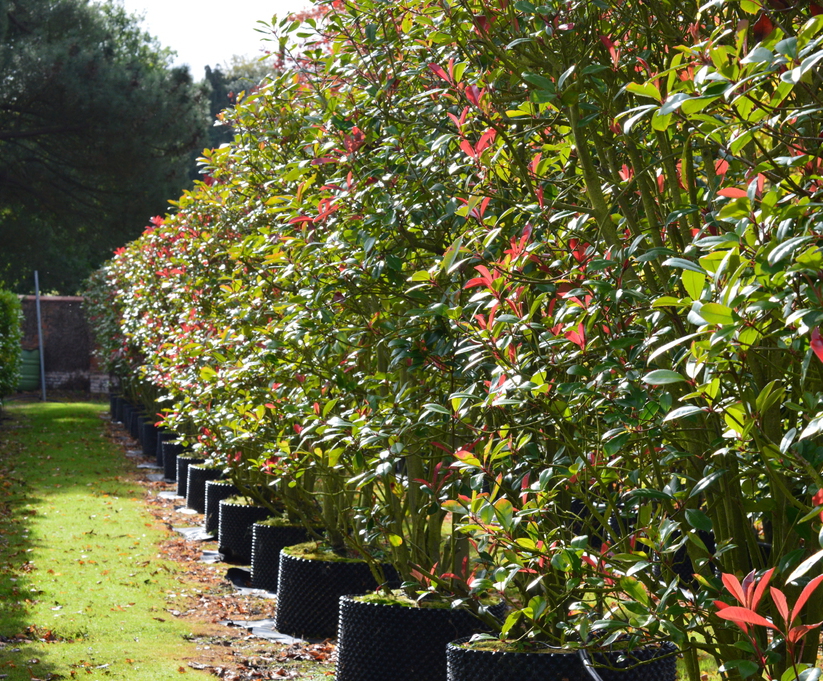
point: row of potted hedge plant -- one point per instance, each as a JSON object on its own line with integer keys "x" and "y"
{"x": 523, "y": 299}
{"x": 380, "y": 636}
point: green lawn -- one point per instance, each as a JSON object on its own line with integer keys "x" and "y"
{"x": 79, "y": 568}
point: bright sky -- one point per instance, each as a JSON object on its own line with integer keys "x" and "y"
{"x": 210, "y": 33}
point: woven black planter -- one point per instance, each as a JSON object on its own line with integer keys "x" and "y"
{"x": 681, "y": 563}
{"x": 141, "y": 422}
{"x": 380, "y": 642}
{"x": 149, "y": 438}
{"x": 135, "y": 423}
{"x": 467, "y": 664}
{"x": 113, "y": 399}
{"x": 216, "y": 491}
{"x": 183, "y": 463}
{"x": 234, "y": 529}
{"x": 267, "y": 540}
{"x": 171, "y": 451}
{"x": 309, "y": 591}
{"x": 196, "y": 486}
{"x": 659, "y": 663}
{"x": 162, "y": 436}
{"x": 123, "y": 412}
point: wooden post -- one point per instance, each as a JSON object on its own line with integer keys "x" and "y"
{"x": 40, "y": 335}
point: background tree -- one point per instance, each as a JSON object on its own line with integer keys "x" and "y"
{"x": 96, "y": 135}
{"x": 239, "y": 74}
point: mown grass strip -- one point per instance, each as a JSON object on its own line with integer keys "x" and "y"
{"x": 81, "y": 583}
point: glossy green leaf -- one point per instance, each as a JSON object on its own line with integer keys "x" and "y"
{"x": 663, "y": 377}
{"x": 715, "y": 313}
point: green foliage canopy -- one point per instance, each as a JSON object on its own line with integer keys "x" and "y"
{"x": 555, "y": 272}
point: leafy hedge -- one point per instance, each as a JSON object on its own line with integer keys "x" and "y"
{"x": 544, "y": 276}
{"x": 10, "y": 335}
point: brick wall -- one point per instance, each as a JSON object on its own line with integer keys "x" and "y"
{"x": 67, "y": 343}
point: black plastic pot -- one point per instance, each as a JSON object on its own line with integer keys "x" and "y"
{"x": 198, "y": 475}
{"x": 183, "y": 463}
{"x": 171, "y": 451}
{"x": 382, "y": 642}
{"x": 141, "y": 421}
{"x": 148, "y": 438}
{"x": 135, "y": 424}
{"x": 123, "y": 412}
{"x": 216, "y": 491}
{"x": 652, "y": 663}
{"x": 681, "y": 563}
{"x": 267, "y": 541}
{"x": 113, "y": 398}
{"x": 234, "y": 529}
{"x": 468, "y": 664}
{"x": 309, "y": 591}
{"x": 162, "y": 436}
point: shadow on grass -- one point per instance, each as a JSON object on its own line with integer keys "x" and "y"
{"x": 17, "y": 590}
{"x": 46, "y": 450}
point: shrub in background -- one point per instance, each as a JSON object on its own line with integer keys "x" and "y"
{"x": 10, "y": 335}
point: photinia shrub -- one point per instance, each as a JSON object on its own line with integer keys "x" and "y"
{"x": 542, "y": 279}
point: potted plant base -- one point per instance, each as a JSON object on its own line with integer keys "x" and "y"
{"x": 136, "y": 424}
{"x": 480, "y": 663}
{"x": 162, "y": 437}
{"x": 123, "y": 415}
{"x": 234, "y": 528}
{"x": 171, "y": 451}
{"x": 384, "y": 641}
{"x": 310, "y": 584}
{"x": 648, "y": 663}
{"x": 183, "y": 463}
{"x": 148, "y": 438}
{"x": 114, "y": 405}
{"x": 198, "y": 476}
{"x": 268, "y": 539}
{"x": 216, "y": 491}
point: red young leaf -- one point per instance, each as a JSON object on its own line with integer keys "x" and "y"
{"x": 732, "y": 193}
{"x": 746, "y": 585}
{"x": 486, "y": 139}
{"x": 762, "y": 27}
{"x": 779, "y": 599}
{"x": 760, "y": 588}
{"x": 808, "y": 590}
{"x": 438, "y": 70}
{"x": 799, "y": 632}
{"x": 720, "y": 605}
{"x": 733, "y": 585}
{"x": 468, "y": 149}
{"x": 474, "y": 94}
{"x": 745, "y": 616}
{"x": 578, "y": 336}
{"x": 817, "y": 343}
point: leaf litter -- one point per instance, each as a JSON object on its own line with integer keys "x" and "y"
{"x": 206, "y": 597}
{"x": 209, "y": 598}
